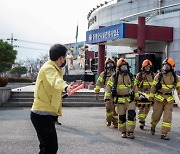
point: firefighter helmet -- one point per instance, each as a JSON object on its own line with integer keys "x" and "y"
{"x": 110, "y": 62}
{"x": 122, "y": 61}
{"x": 146, "y": 62}
{"x": 169, "y": 61}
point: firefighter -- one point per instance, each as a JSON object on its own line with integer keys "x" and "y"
{"x": 143, "y": 84}
{"x": 162, "y": 91}
{"x": 111, "y": 115}
{"x": 120, "y": 87}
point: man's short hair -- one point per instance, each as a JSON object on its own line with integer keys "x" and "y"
{"x": 57, "y": 51}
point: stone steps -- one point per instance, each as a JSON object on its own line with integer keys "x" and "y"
{"x": 65, "y": 104}
{"x": 78, "y": 99}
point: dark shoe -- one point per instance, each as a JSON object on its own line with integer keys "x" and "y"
{"x": 164, "y": 137}
{"x": 131, "y": 135}
{"x": 57, "y": 123}
{"x": 142, "y": 126}
{"x": 115, "y": 125}
{"x": 123, "y": 135}
{"x": 152, "y": 130}
{"x": 109, "y": 124}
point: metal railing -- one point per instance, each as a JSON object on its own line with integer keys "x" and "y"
{"x": 148, "y": 13}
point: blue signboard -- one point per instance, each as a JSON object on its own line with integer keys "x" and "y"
{"x": 105, "y": 34}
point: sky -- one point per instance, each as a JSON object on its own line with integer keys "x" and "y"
{"x": 43, "y": 21}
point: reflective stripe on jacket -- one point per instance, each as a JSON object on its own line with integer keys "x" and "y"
{"x": 124, "y": 86}
{"x": 100, "y": 81}
{"x": 143, "y": 83}
{"x": 165, "y": 93}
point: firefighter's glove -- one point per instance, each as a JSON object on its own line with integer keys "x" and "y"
{"x": 158, "y": 86}
{"x": 132, "y": 96}
{"x": 114, "y": 91}
{"x": 107, "y": 101}
{"x": 97, "y": 96}
{"x": 143, "y": 98}
{"x": 152, "y": 103}
{"x": 151, "y": 99}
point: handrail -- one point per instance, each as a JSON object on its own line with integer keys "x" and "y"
{"x": 164, "y": 7}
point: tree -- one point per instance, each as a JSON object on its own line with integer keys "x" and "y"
{"x": 33, "y": 65}
{"x": 7, "y": 56}
{"x": 18, "y": 71}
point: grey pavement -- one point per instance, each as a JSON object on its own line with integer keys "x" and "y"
{"x": 83, "y": 131}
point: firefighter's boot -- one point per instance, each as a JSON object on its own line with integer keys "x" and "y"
{"x": 109, "y": 124}
{"x": 123, "y": 135}
{"x": 153, "y": 130}
{"x": 164, "y": 137}
{"x": 130, "y": 135}
{"x": 57, "y": 123}
{"x": 115, "y": 123}
{"x": 142, "y": 125}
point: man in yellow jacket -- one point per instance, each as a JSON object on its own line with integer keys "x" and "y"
{"x": 47, "y": 105}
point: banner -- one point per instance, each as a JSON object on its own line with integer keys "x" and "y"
{"x": 105, "y": 34}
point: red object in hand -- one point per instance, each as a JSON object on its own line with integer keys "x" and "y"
{"x": 73, "y": 91}
{"x": 76, "y": 89}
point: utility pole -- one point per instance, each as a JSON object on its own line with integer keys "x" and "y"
{"x": 12, "y": 39}
{"x": 76, "y": 46}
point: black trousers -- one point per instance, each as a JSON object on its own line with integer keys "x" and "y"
{"x": 46, "y": 132}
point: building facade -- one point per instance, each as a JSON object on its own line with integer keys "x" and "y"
{"x": 156, "y": 12}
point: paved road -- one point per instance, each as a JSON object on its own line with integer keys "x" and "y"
{"x": 83, "y": 131}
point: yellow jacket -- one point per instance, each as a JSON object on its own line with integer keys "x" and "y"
{"x": 48, "y": 89}
{"x": 143, "y": 83}
{"x": 166, "y": 91}
{"x": 124, "y": 86}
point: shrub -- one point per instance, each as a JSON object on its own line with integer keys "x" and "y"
{"x": 20, "y": 80}
{"x": 3, "y": 81}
